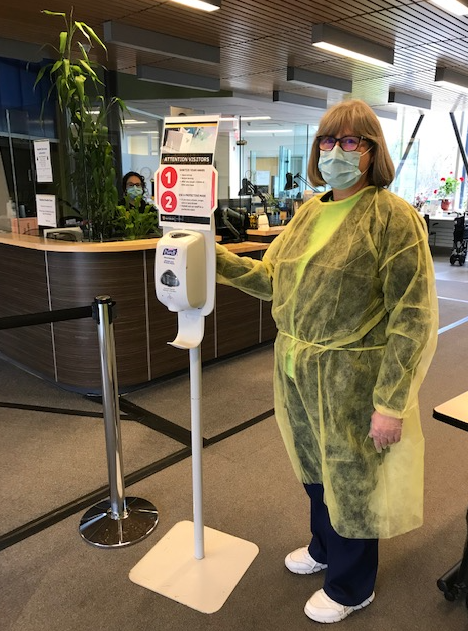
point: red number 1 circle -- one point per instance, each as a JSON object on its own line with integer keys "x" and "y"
{"x": 169, "y": 177}
{"x": 168, "y": 201}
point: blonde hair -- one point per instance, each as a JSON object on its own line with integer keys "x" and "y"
{"x": 358, "y": 117}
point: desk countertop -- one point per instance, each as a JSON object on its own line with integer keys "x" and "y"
{"x": 446, "y": 217}
{"x": 273, "y": 231}
{"x": 454, "y": 411}
{"x": 53, "y": 245}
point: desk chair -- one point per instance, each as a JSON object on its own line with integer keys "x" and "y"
{"x": 431, "y": 233}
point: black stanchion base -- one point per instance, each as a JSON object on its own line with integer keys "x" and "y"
{"x": 99, "y": 528}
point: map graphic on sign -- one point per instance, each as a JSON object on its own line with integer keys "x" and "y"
{"x": 190, "y": 135}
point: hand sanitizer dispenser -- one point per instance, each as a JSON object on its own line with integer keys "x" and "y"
{"x": 180, "y": 270}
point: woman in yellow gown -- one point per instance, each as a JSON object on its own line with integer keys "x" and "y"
{"x": 353, "y": 297}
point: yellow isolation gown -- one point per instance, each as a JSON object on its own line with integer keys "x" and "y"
{"x": 354, "y": 300}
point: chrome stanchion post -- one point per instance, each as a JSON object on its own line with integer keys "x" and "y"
{"x": 110, "y": 405}
{"x": 119, "y": 521}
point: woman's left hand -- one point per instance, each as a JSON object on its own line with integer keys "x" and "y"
{"x": 384, "y": 430}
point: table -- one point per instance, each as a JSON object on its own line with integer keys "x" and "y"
{"x": 455, "y": 581}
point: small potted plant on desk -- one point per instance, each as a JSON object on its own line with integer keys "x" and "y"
{"x": 136, "y": 219}
{"x": 446, "y": 191}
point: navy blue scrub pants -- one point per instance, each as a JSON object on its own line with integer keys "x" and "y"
{"x": 352, "y": 563}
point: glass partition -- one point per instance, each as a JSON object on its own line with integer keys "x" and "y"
{"x": 18, "y": 182}
{"x": 140, "y": 150}
{"x": 433, "y": 156}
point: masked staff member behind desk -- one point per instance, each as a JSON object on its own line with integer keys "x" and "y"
{"x": 134, "y": 187}
{"x": 353, "y": 296}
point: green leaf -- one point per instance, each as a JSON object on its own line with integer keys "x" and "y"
{"x": 80, "y": 81}
{"x": 62, "y": 15}
{"x": 63, "y": 38}
{"x": 83, "y": 52}
{"x": 41, "y": 73}
{"x": 56, "y": 66}
{"x": 94, "y": 36}
{"x": 80, "y": 25}
{"x": 87, "y": 67}
{"x": 66, "y": 68}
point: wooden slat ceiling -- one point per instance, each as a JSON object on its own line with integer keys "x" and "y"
{"x": 258, "y": 40}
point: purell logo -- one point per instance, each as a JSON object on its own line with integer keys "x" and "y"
{"x": 170, "y": 252}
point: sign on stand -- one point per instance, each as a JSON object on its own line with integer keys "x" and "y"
{"x": 186, "y": 182}
{"x": 186, "y": 195}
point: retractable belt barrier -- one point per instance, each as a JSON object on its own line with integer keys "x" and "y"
{"x": 119, "y": 521}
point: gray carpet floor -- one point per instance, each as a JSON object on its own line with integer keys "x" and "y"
{"x": 53, "y": 580}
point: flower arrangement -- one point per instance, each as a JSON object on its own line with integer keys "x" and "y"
{"x": 420, "y": 200}
{"x": 448, "y": 186}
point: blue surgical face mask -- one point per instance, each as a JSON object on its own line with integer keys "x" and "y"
{"x": 134, "y": 191}
{"x": 340, "y": 169}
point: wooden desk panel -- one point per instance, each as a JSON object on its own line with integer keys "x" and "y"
{"x": 119, "y": 276}
{"x": 237, "y": 320}
{"x": 73, "y": 275}
{"x": 30, "y": 346}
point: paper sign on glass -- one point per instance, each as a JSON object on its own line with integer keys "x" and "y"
{"x": 46, "y": 210}
{"x": 43, "y": 163}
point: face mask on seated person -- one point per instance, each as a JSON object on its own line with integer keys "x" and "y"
{"x": 340, "y": 169}
{"x": 134, "y": 191}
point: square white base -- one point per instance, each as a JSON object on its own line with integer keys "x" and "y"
{"x": 171, "y": 569}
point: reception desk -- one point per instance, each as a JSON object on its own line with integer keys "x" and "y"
{"x": 38, "y": 275}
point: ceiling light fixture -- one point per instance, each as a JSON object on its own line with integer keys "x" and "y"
{"x": 307, "y": 77}
{"x": 457, "y": 7}
{"x": 299, "y": 99}
{"x": 400, "y": 98}
{"x": 152, "y": 42}
{"x": 245, "y": 118}
{"x": 268, "y": 131}
{"x": 343, "y": 43}
{"x": 385, "y": 113}
{"x": 203, "y": 5}
{"x": 181, "y": 79}
{"x": 131, "y": 121}
{"x": 451, "y": 79}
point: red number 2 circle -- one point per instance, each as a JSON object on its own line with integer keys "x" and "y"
{"x": 168, "y": 201}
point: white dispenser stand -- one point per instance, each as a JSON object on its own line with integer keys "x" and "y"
{"x": 192, "y": 564}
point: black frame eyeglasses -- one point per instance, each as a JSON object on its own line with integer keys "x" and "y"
{"x": 347, "y": 143}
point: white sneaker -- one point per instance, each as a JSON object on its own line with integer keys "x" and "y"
{"x": 322, "y": 608}
{"x": 300, "y": 562}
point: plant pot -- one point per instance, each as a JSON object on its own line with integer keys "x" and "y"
{"x": 445, "y": 204}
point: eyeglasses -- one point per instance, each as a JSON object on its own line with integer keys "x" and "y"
{"x": 347, "y": 143}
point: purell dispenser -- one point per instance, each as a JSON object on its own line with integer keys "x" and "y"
{"x": 180, "y": 272}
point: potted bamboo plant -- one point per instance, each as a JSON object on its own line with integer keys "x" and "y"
{"x": 77, "y": 86}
